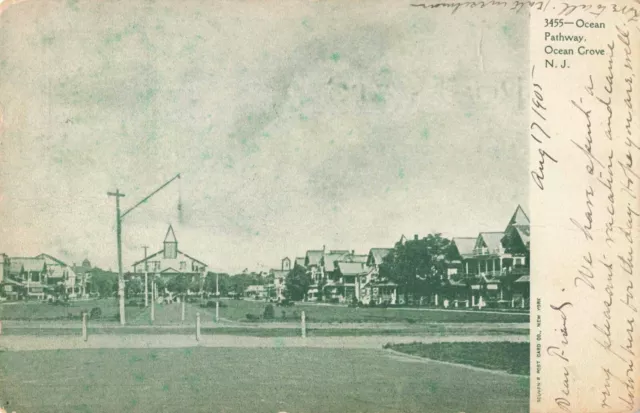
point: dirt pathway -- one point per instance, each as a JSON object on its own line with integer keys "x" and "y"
{"x": 29, "y": 343}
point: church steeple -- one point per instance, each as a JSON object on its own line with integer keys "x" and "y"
{"x": 170, "y": 244}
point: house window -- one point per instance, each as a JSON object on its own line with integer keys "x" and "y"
{"x": 156, "y": 265}
{"x": 183, "y": 265}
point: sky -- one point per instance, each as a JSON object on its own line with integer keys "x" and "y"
{"x": 293, "y": 125}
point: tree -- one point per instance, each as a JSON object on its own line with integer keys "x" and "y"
{"x": 103, "y": 282}
{"x": 224, "y": 283}
{"x": 133, "y": 287}
{"x": 417, "y": 266}
{"x": 161, "y": 284}
{"x": 297, "y": 283}
{"x": 178, "y": 284}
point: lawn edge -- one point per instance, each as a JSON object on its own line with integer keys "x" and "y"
{"x": 467, "y": 366}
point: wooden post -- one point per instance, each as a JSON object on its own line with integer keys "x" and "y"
{"x": 146, "y": 291}
{"x": 523, "y": 302}
{"x": 303, "y": 323}
{"x": 217, "y": 311}
{"x": 84, "y": 326}
{"x": 119, "y": 195}
{"x": 0, "y": 328}
{"x": 513, "y": 302}
{"x": 182, "y": 303}
{"x": 473, "y": 300}
{"x": 146, "y": 272}
{"x": 197, "y": 326}
{"x": 153, "y": 300}
{"x": 436, "y": 300}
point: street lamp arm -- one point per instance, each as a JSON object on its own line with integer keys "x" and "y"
{"x": 149, "y": 196}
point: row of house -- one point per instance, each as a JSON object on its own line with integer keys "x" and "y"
{"x": 489, "y": 267}
{"x": 39, "y": 276}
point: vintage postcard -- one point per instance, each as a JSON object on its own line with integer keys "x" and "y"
{"x": 319, "y": 206}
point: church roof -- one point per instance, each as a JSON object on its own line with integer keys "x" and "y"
{"x": 161, "y": 252}
{"x": 171, "y": 236}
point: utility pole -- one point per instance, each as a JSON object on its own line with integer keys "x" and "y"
{"x": 119, "y": 218}
{"x": 217, "y": 291}
{"x": 146, "y": 288}
{"x": 119, "y": 195}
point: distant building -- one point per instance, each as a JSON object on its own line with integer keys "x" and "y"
{"x": 496, "y": 268}
{"x": 34, "y": 277}
{"x": 29, "y": 276}
{"x": 374, "y": 288}
{"x": 170, "y": 261}
{"x": 83, "y": 276}
{"x": 279, "y": 277}
{"x": 58, "y": 272}
{"x": 258, "y": 292}
{"x": 4, "y": 267}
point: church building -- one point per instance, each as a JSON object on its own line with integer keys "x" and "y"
{"x": 170, "y": 260}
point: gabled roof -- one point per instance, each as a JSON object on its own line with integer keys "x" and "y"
{"x": 313, "y": 257}
{"x": 191, "y": 258}
{"x": 352, "y": 268}
{"x": 162, "y": 251}
{"x": 51, "y": 259}
{"x": 525, "y": 235}
{"x": 171, "y": 236}
{"x": 465, "y": 245}
{"x": 148, "y": 257}
{"x": 362, "y": 258}
{"x": 492, "y": 240}
{"x": 332, "y": 257}
{"x": 377, "y": 255}
{"x": 519, "y": 218}
{"x": 170, "y": 269}
{"x": 28, "y": 264}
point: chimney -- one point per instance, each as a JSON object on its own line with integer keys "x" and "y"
{"x": 415, "y": 237}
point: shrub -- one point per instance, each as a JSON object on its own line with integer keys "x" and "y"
{"x": 95, "y": 312}
{"x": 269, "y": 312}
{"x": 284, "y": 315}
{"x": 411, "y": 320}
{"x": 252, "y": 317}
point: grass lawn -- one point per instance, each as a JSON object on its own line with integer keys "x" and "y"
{"x": 34, "y": 310}
{"x": 238, "y": 309}
{"x": 509, "y": 357}
{"x": 249, "y": 380}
